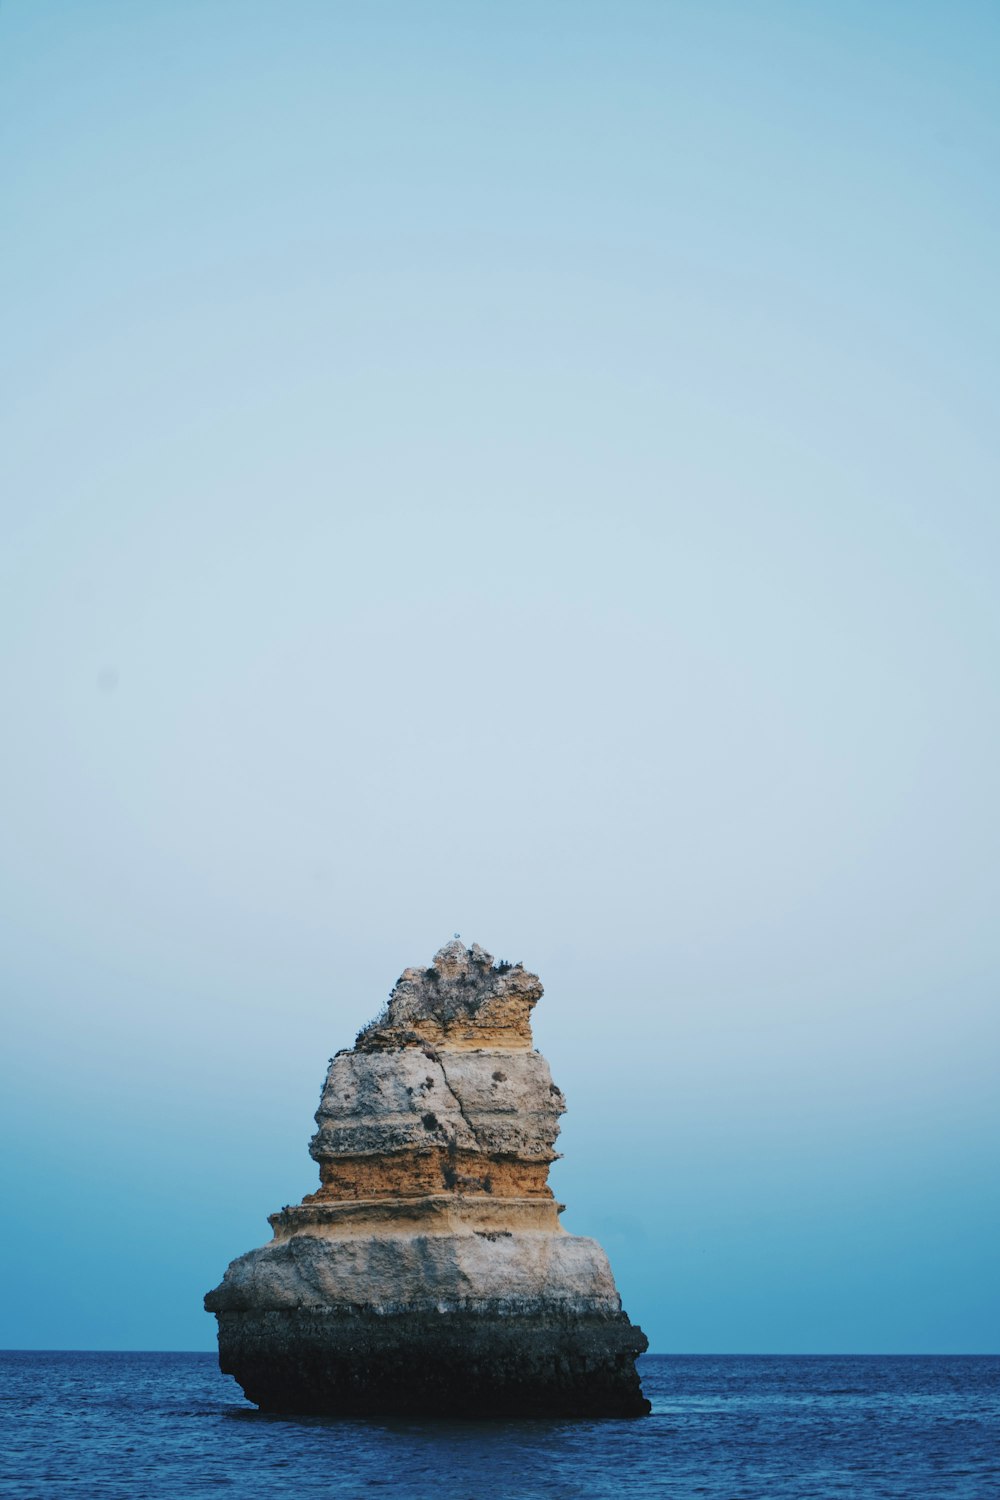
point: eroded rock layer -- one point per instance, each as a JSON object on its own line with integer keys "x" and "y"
{"x": 429, "y": 1272}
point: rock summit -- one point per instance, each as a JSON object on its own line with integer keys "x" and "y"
{"x": 430, "y": 1273}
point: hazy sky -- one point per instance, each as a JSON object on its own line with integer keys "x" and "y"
{"x": 528, "y": 470}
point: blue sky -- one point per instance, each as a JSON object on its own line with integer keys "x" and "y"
{"x": 527, "y": 470}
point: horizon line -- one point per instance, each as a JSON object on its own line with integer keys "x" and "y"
{"x": 649, "y": 1354}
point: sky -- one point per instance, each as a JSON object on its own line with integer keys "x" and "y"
{"x": 530, "y": 471}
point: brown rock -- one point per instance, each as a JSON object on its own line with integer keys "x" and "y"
{"x": 429, "y": 1272}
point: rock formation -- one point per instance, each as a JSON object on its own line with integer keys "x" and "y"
{"x": 430, "y": 1272}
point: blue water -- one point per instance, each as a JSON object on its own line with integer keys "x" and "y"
{"x": 104, "y": 1426}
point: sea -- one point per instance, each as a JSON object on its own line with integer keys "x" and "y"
{"x": 171, "y": 1427}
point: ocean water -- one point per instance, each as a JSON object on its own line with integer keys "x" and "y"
{"x": 104, "y": 1426}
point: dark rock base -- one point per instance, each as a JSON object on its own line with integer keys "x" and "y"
{"x": 352, "y": 1362}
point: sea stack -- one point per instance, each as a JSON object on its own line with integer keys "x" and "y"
{"x": 430, "y": 1273}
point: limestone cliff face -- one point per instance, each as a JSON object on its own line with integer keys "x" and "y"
{"x": 430, "y": 1272}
